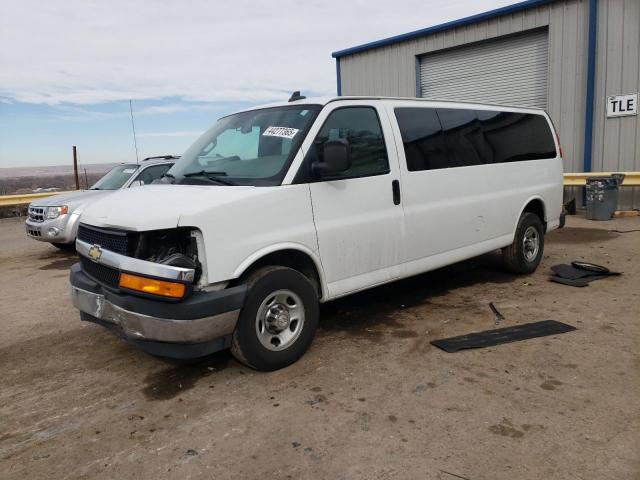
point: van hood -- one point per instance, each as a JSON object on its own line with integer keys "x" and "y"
{"x": 76, "y": 201}
{"x": 156, "y": 207}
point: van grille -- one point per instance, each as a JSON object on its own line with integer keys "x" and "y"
{"x": 101, "y": 273}
{"x": 36, "y": 214}
{"x": 113, "y": 240}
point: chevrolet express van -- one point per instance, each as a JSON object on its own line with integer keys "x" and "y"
{"x": 276, "y": 209}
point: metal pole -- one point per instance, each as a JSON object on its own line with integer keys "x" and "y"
{"x": 133, "y": 127}
{"x": 75, "y": 167}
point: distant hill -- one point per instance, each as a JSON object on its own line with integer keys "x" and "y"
{"x": 29, "y": 179}
{"x": 53, "y": 170}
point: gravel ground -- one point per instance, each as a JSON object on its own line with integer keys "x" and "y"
{"x": 372, "y": 399}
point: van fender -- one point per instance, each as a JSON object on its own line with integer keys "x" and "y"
{"x": 263, "y": 252}
{"x": 524, "y": 205}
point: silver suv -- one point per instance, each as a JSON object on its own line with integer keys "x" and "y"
{"x": 55, "y": 219}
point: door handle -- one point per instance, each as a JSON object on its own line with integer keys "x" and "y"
{"x": 395, "y": 188}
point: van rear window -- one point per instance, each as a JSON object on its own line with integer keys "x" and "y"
{"x": 447, "y": 137}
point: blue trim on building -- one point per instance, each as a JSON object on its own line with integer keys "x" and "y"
{"x": 516, "y": 7}
{"x": 338, "y": 78}
{"x": 591, "y": 77}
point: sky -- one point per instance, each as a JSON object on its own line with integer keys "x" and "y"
{"x": 68, "y": 68}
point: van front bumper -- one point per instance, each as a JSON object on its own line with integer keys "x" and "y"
{"x": 197, "y": 326}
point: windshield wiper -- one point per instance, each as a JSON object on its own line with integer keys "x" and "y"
{"x": 204, "y": 173}
{"x": 210, "y": 175}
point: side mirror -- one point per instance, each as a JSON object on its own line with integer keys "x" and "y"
{"x": 136, "y": 183}
{"x": 337, "y": 158}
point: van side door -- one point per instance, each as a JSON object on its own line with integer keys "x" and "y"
{"x": 357, "y": 213}
{"x": 443, "y": 189}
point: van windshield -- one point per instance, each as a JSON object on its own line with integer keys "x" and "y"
{"x": 115, "y": 178}
{"x": 247, "y": 148}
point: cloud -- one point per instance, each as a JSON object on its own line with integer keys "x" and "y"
{"x": 82, "y": 53}
{"x": 170, "y": 134}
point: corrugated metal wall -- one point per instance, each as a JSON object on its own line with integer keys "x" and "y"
{"x": 511, "y": 70}
{"x": 616, "y": 142}
{"x": 391, "y": 70}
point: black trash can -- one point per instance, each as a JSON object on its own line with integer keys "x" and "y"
{"x": 602, "y": 196}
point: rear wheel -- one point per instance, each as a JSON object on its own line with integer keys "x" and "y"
{"x": 278, "y": 321}
{"x": 525, "y": 253}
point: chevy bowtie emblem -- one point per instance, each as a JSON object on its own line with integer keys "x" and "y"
{"x": 95, "y": 252}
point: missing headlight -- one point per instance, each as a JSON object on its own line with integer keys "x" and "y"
{"x": 176, "y": 247}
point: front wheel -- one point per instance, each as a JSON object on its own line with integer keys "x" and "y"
{"x": 278, "y": 321}
{"x": 525, "y": 253}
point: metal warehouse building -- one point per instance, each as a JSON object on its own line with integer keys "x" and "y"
{"x": 577, "y": 59}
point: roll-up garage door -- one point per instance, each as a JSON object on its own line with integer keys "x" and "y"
{"x": 509, "y": 71}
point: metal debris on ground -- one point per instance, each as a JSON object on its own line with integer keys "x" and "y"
{"x": 498, "y": 316}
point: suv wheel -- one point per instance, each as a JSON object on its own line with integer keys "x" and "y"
{"x": 278, "y": 321}
{"x": 525, "y": 253}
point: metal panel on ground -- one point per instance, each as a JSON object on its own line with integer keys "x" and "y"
{"x": 509, "y": 71}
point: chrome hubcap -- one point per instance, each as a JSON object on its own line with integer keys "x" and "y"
{"x": 279, "y": 320}
{"x": 530, "y": 244}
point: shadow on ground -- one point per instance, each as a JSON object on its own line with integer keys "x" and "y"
{"x": 367, "y": 314}
{"x": 58, "y": 260}
{"x": 575, "y": 236}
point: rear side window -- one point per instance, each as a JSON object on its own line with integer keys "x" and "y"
{"x": 361, "y": 128}
{"x": 447, "y": 137}
{"x": 149, "y": 174}
{"x": 513, "y": 137}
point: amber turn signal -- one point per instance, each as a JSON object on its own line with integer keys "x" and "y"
{"x": 152, "y": 286}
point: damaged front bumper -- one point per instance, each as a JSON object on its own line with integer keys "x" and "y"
{"x": 193, "y": 327}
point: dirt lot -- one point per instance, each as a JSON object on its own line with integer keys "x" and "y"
{"x": 371, "y": 399}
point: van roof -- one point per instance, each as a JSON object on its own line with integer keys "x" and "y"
{"x": 326, "y": 100}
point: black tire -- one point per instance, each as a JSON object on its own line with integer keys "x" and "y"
{"x": 67, "y": 247}
{"x": 263, "y": 285}
{"x": 514, "y": 257}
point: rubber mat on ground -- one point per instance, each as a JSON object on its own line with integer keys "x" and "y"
{"x": 573, "y": 273}
{"x": 577, "y": 282}
{"x": 490, "y": 338}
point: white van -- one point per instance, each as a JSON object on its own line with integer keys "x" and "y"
{"x": 276, "y": 209}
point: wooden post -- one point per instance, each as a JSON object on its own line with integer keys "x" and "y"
{"x": 75, "y": 167}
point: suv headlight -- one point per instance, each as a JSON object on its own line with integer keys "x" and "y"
{"x": 55, "y": 212}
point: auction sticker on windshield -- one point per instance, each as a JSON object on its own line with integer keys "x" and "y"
{"x": 283, "y": 132}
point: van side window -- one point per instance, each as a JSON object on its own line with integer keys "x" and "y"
{"x": 448, "y": 137}
{"x": 463, "y": 136}
{"x": 360, "y": 126}
{"x": 422, "y": 138}
{"x": 512, "y": 137}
